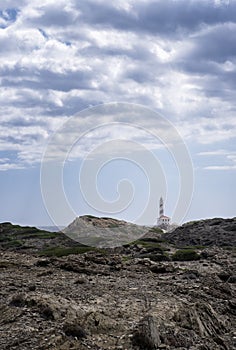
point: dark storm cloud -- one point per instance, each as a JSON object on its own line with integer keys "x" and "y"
{"x": 218, "y": 44}
{"x": 222, "y": 86}
{"x": 142, "y": 75}
{"x": 46, "y": 79}
{"x": 12, "y": 4}
{"x": 164, "y": 18}
{"x": 20, "y": 121}
{"x": 210, "y": 55}
{"x": 135, "y": 52}
{"x": 54, "y": 16}
{"x": 158, "y": 17}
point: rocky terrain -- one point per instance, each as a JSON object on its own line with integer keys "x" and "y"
{"x": 166, "y": 291}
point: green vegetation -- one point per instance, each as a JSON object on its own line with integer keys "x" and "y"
{"x": 185, "y": 255}
{"x": 4, "y": 239}
{"x": 13, "y": 243}
{"x": 156, "y": 230}
{"x": 146, "y": 243}
{"x": 63, "y": 251}
{"x": 230, "y": 248}
{"x": 16, "y": 231}
{"x": 91, "y": 216}
{"x": 191, "y": 222}
{"x": 40, "y": 234}
{"x": 193, "y": 247}
{"x": 126, "y": 258}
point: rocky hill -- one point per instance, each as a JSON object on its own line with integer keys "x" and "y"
{"x": 57, "y": 294}
{"x": 103, "y": 232}
{"x": 31, "y": 239}
{"x": 218, "y": 232}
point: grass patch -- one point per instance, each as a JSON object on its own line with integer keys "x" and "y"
{"x": 126, "y": 258}
{"x": 43, "y": 235}
{"x": 185, "y": 255}
{"x": 155, "y": 230}
{"x": 91, "y": 216}
{"x": 148, "y": 244}
{"x": 62, "y": 251}
{"x": 192, "y": 247}
{"x": 230, "y": 248}
{"x": 192, "y": 222}
{"x": 4, "y": 239}
{"x": 12, "y": 243}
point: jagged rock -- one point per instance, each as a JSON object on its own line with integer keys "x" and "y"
{"x": 43, "y": 262}
{"x": 7, "y": 314}
{"x": 232, "y": 306}
{"x": 47, "y": 305}
{"x": 232, "y": 279}
{"x": 147, "y": 336}
{"x": 80, "y": 280}
{"x": 201, "y": 318}
{"x": 162, "y": 268}
{"x": 153, "y": 256}
{"x": 74, "y": 330}
{"x": 97, "y": 322}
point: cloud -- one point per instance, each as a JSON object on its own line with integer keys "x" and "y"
{"x": 54, "y": 15}
{"x": 55, "y": 60}
{"x": 208, "y": 131}
{"x": 220, "y": 167}
{"x": 219, "y": 152}
{"x": 26, "y": 139}
{"x": 158, "y": 17}
{"x": 226, "y": 159}
{"x": 7, "y": 17}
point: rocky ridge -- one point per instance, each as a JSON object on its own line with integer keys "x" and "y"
{"x": 217, "y": 231}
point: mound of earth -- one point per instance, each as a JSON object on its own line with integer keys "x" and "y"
{"x": 103, "y": 232}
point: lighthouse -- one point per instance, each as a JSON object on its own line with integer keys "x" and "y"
{"x": 163, "y": 221}
{"x": 161, "y": 207}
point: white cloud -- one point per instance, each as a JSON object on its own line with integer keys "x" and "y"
{"x": 59, "y": 59}
{"x": 220, "y": 167}
{"x": 217, "y": 152}
{"x": 208, "y": 130}
{"x": 10, "y": 166}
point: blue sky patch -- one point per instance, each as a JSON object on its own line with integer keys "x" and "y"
{"x": 9, "y": 16}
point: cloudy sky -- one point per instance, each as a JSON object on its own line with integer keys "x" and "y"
{"x": 176, "y": 58}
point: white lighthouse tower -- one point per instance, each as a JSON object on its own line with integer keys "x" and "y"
{"x": 163, "y": 221}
